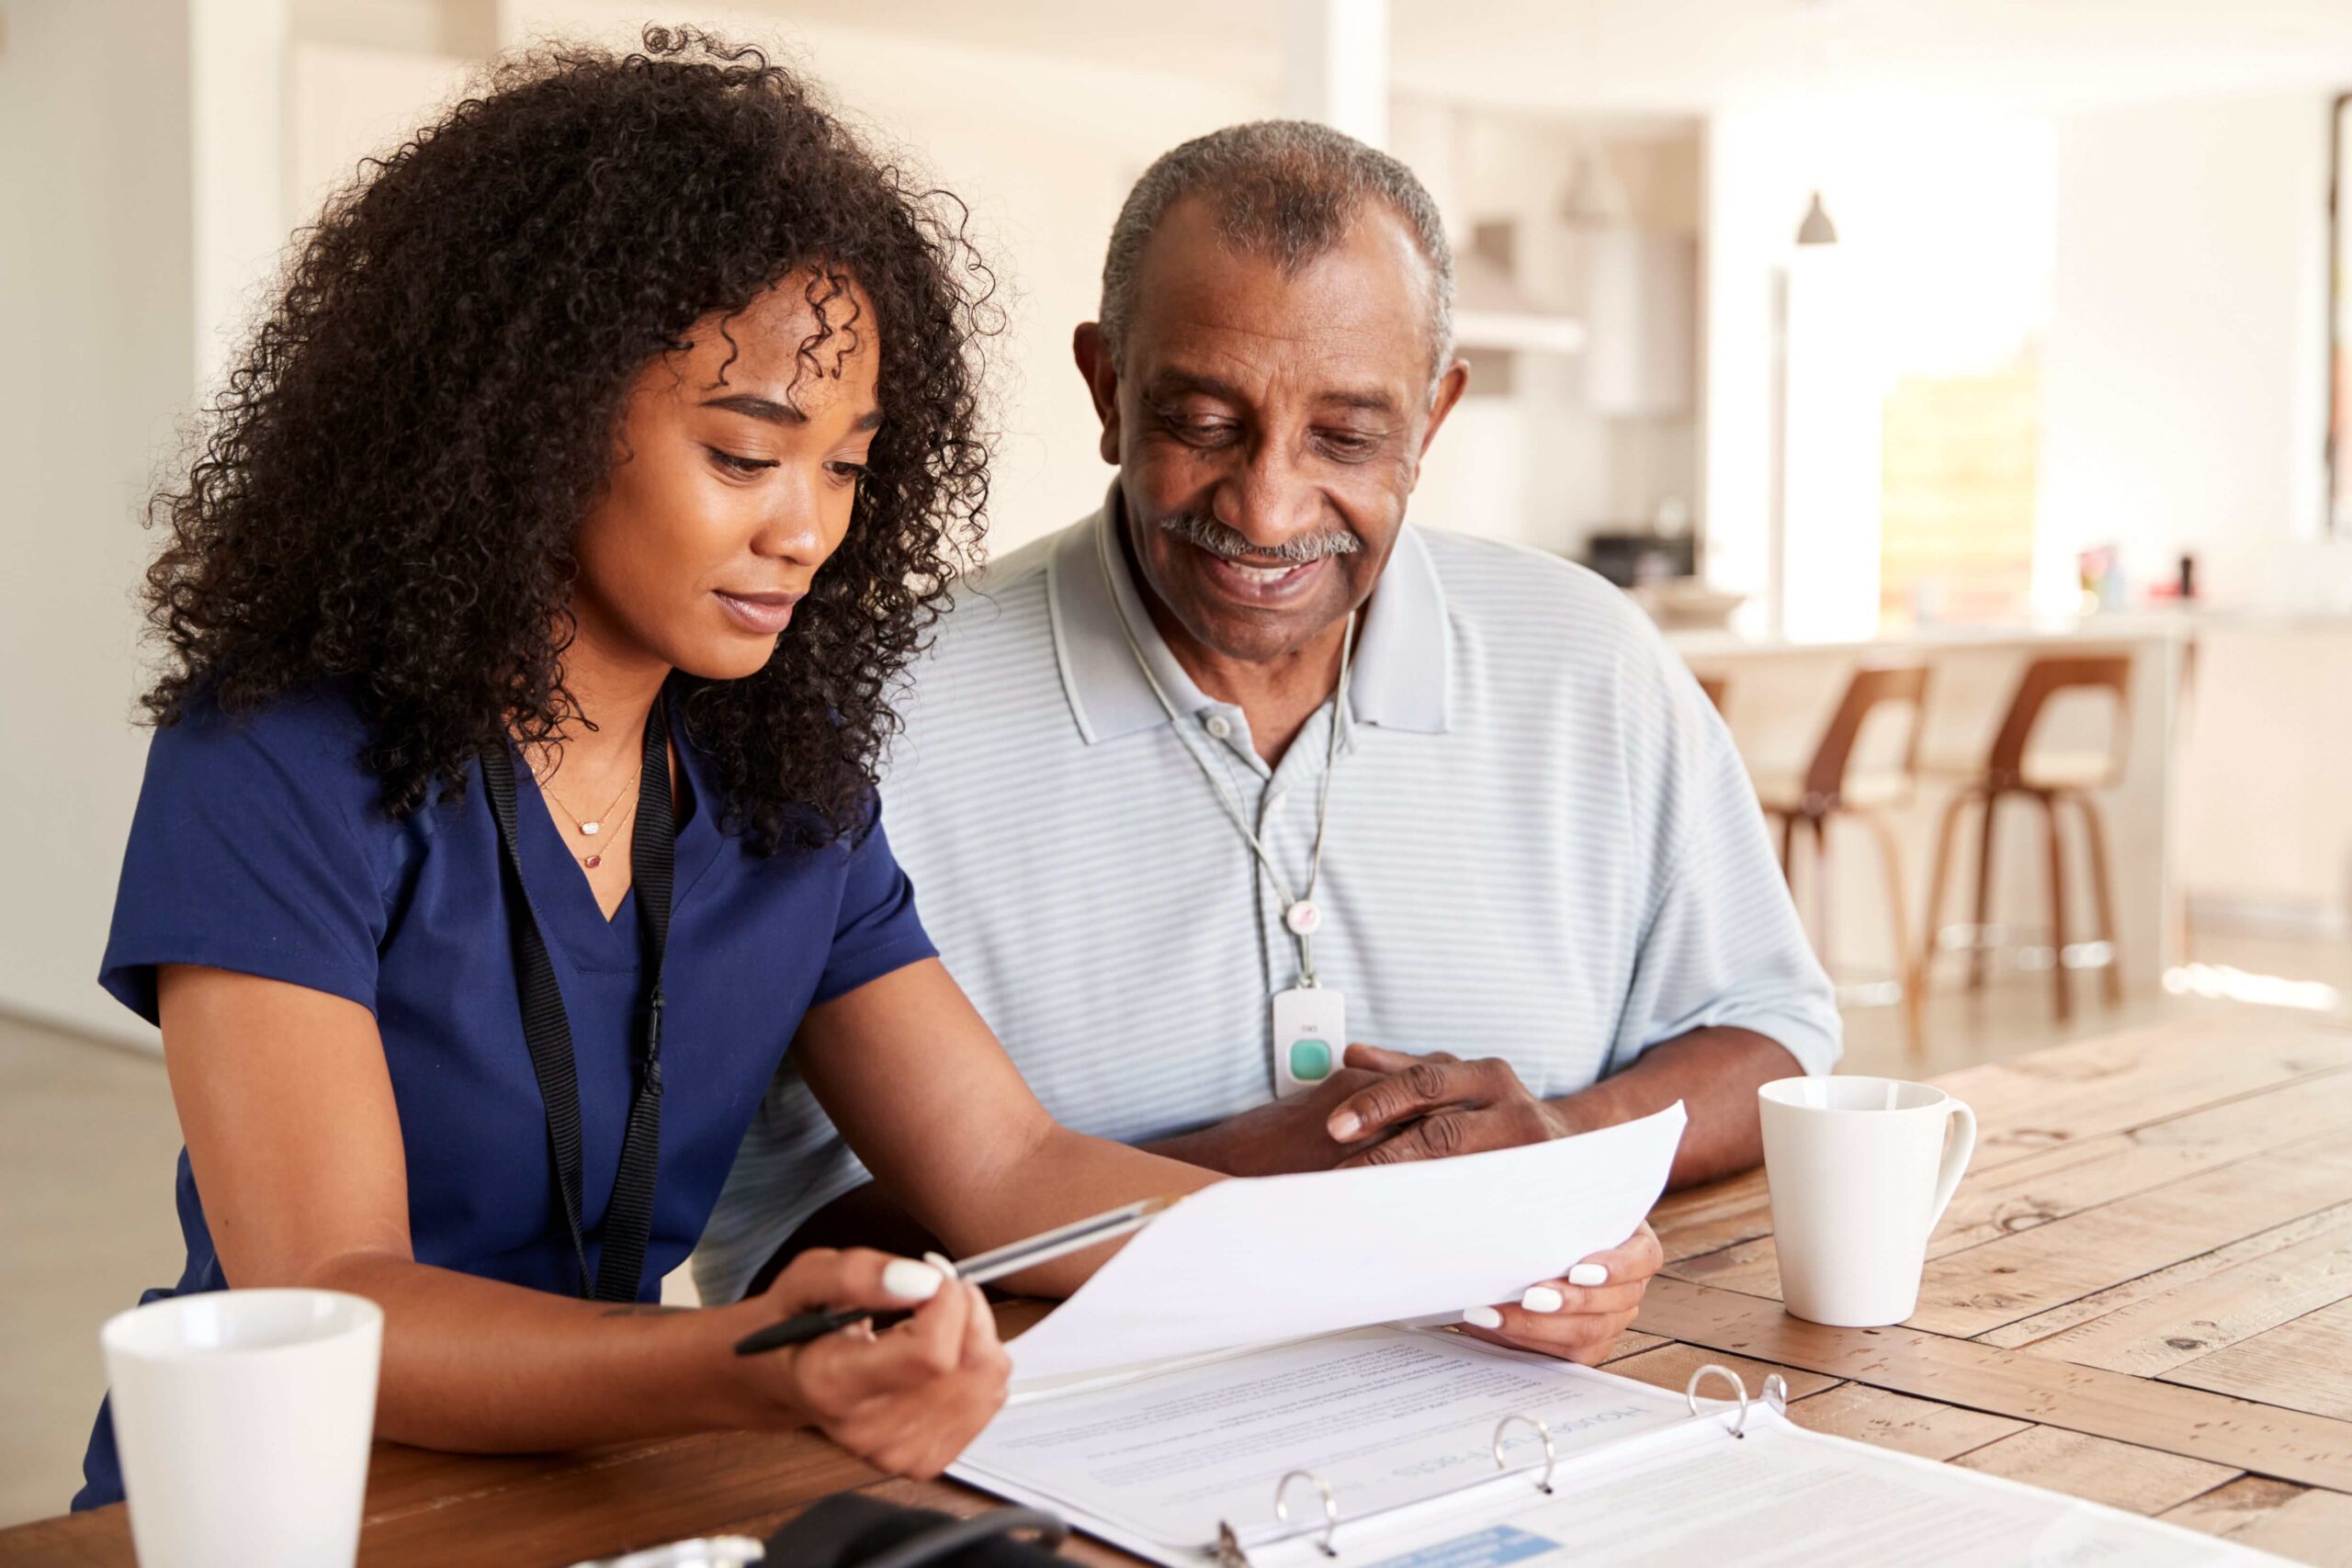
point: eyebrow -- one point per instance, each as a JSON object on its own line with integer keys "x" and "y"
{"x": 1174, "y": 383}
{"x": 753, "y": 406}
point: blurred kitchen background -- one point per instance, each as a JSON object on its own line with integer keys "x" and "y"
{"x": 1911, "y": 360}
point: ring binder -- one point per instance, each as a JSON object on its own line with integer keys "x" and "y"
{"x": 1551, "y": 1458}
{"x": 1330, "y": 1507}
{"x": 1434, "y": 1507}
{"x": 1738, "y": 1428}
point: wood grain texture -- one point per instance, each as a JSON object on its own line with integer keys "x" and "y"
{"x": 1671, "y": 1366}
{"x": 2121, "y": 1475}
{"x": 2192, "y": 1321}
{"x": 1888, "y": 1420}
{"x": 2111, "y": 1084}
{"x": 2045, "y": 1104}
{"x": 2315, "y": 1528}
{"x": 2238, "y": 1433}
{"x": 2302, "y": 1365}
{"x": 2018, "y": 1276}
{"x": 2070, "y": 1178}
{"x": 2230, "y": 1506}
{"x": 1631, "y": 1343}
{"x": 2028, "y": 1331}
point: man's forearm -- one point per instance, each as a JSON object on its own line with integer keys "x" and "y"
{"x": 1061, "y": 1177}
{"x": 1716, "y": 1074}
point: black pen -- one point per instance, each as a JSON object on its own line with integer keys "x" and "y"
{"x": 1042, "y": 1247}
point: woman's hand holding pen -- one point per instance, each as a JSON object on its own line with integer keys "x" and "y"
{"x": 906, "y": 1400}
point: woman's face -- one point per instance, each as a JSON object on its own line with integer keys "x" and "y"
{"x": 734, "y": 480}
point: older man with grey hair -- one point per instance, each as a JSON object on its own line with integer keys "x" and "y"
{"x": 1277, "y": 833}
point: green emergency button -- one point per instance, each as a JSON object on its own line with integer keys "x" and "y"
{"x": 1310, "y": 1060}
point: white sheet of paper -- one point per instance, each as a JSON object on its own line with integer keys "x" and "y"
{"x": 1386, "y": 1416}
{"x": 1257, "y": 1260}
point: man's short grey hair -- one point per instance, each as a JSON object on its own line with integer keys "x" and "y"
{"x": 1285, "y": 189}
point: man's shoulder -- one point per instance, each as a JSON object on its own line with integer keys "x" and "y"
{"x": 992, "y": 666}
{"x": 1515, "y": 597}
{"x": 1003, "y": 600}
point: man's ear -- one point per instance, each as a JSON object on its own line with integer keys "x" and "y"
{"x": 1450, "y": 387}
{"x": 1102, "y": 382}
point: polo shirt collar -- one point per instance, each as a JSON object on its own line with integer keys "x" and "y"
{"x": 1403, "y": 659}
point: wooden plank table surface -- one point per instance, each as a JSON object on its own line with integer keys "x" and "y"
{"x": 2142, "y": 1295}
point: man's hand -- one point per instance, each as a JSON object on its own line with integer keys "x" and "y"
{"x": 1578, "y": 1317}
{"x": 1435, "y": 1106}
{"x": 1281, "y": 1136}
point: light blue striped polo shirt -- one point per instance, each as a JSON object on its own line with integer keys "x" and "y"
{"x": 1542, "y": 847}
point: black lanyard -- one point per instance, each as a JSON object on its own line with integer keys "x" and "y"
{"x": 547, "y": 1028}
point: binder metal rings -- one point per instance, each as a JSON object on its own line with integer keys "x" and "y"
{"x": 1739, "y": 1427}
{"x": 1551, "y": 1458}
{"x": 1330, "y": 1507}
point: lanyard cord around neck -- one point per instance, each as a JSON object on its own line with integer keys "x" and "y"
{"x": 546, "y": 1026}
{"x": 1225, "y": 796}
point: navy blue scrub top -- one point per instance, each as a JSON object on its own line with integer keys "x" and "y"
{"x": 260, "y": 846}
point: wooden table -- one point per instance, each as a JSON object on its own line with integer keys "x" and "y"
{"x": 2142, "y": 1294}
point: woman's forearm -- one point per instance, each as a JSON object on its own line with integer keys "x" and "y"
{"x": 477, "y": 1366}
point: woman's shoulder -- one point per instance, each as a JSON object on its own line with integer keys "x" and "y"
{"x": 312, "y": 743}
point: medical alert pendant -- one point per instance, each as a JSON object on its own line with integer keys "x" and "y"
{"x": 1310, "y": 1032}
{"x": 1303, "y": 918}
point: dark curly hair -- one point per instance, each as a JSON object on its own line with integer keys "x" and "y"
{"x": 385, "y": 495}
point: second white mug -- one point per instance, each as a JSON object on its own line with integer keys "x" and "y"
{"x": 1859, "y": 1170}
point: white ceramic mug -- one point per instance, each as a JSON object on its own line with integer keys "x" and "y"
{"x": 243, "y": 1419}
{"x": 1860, "y": 1172}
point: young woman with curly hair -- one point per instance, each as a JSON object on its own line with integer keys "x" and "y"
{"x": 530, "y": 613}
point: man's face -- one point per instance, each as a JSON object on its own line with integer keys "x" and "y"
{"x": 1269, "y": 427}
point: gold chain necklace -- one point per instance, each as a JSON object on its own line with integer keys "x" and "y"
{"x": 590, "y": 827}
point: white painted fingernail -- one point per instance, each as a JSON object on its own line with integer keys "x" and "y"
{"x": 941, "y": 1261}
{"x": 1588, "y": 1274}
{"x": 909, "y": 1280}
{"x": 1542, "y": 1297}
{"x": 1482, "y": 1317}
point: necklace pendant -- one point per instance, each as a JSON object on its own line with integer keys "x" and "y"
{"x": 593, "y": 862}
{"x": 591, "y": 828}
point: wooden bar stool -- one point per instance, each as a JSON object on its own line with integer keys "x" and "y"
{"x": 1832, "y": 785}
{"x": 2051, "y": 779}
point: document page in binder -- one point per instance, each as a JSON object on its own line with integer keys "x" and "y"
{"x": 1384, "y": 1417}
{"x": 1779, "y": 1498}
{"x": 1260, "y": 1260}
{"x": 1400, "y": 1423}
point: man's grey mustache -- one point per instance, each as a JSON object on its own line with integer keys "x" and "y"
{"x": 1232, "y": 544}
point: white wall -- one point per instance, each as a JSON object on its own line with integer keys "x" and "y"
{"x": 2186, "y": 358}
{"x": 96, "y": 310}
